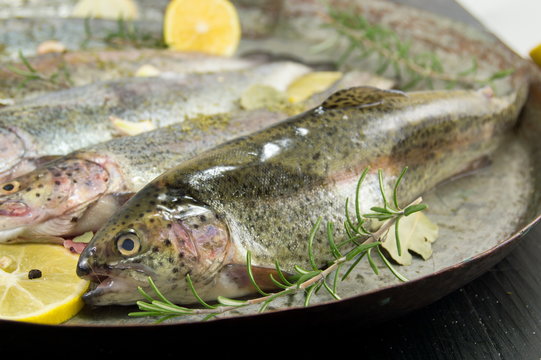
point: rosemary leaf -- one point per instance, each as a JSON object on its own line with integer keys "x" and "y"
{"x": 281, "y": 274}
{"x": 330, "y": 290}
{"x": 231, "y": 302}
{"x": 397, "y": 236}
{"x": 334, "y": 249}
{"x": 371, "y": 262}
{"x": 196, "y": 295}
{"x": 414, "y": 208}
{"x": 308, "y": 294}
{"x": 361, "y": 248}
{"x": 251, "y": 275}
{"x": 278, "y": 283}
{"x": 311, "y": 242}
{"x": 360, "y": 219}
{"x": 397, "y": 183}
{"x": 390, "y": 267}
{"x": 353, "y": 266}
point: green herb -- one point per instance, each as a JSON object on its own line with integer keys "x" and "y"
{"x": 413, "y": 69}
{"x": 360, "y": 242}
{"x": 61, "y": 77}
{"x": 127, "y": 34}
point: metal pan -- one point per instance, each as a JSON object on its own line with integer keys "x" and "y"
{"x": 481, "y": 216}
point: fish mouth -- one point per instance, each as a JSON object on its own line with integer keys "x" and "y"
{"x": 14, "y": 209}
{"x": 107, "y": 287}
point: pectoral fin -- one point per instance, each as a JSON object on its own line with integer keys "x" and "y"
{"x": 235, "y": 278}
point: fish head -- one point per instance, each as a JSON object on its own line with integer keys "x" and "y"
{"x": 46, "y": 199}
{"x": 157, "y": 235}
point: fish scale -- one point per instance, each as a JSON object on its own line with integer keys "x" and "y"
{"x": 131, "y": 162}
{"x": 52, "y": 124}
{"x": 263, "y": 192}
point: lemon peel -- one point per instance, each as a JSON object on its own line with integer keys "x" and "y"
{"x": 535, "y": 54}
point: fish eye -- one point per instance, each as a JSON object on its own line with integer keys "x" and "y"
{"x": 10, "y": 187}
{"x": 128, "y": 243}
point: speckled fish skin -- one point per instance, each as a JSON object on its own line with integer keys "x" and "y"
{"x": 54, "y": 123}
{"x": 264, "y": 192}
{"x": 76, "y": 68}
{"x": 57, "y": 203}
{"x": 78, "y": 192}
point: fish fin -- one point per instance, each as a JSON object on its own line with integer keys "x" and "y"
{"x": 238, "y": 274}
{"x": 360, "y": 96}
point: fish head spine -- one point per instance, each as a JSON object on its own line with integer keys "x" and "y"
{"x": 158, "y": 234}
{"x": 34, "y": 202}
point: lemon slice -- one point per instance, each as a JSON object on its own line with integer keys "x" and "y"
{"x": 312, "y": 83}
{"x": 207, "y": 26}
{"x": 106, "y": 9}
{"x": 535, "y": 54}
{"x": 38, "y": 283}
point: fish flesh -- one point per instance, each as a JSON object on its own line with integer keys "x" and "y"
{"x": 56, "y": 71}
{"x": 59, "y": 122}
{"x": 263, "y": 192}
{"x": 79, "y": 191}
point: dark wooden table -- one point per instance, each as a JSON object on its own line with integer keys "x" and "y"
{"x": 497, "y": 316}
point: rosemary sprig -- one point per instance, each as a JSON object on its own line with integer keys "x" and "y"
{"x": 60, "y": 77}
{"x": 359, "y": 241}
{"x": 128, "y": 34}
{"x": 365, "y": 39}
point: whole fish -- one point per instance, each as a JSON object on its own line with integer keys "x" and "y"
{"x": 56, "y": 71}
{"x": 78, "y": 192}
{"x": 25, "y": 35}
{"x": 59, "y": 122}
{"x": 61, "y": 202}
{"x": 263, "y": 192}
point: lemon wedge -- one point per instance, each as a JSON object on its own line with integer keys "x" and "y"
{"x": 207, "y": 26}
{"x": 535, "y": 54}
{"x": 106, "y": 9}
{"x": 312, "y": 83}
{"x": 38, "y": 283}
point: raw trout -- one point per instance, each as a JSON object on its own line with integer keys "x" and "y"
{"x": 59, "y": 122}
{"x": 263, "y": 192}
{"x": 79, "y": 191}
{"x": 56, "y": 71}
{"x": 24, "y": 35}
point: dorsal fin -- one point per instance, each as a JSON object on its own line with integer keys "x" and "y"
{"x": 361, "y": 96}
